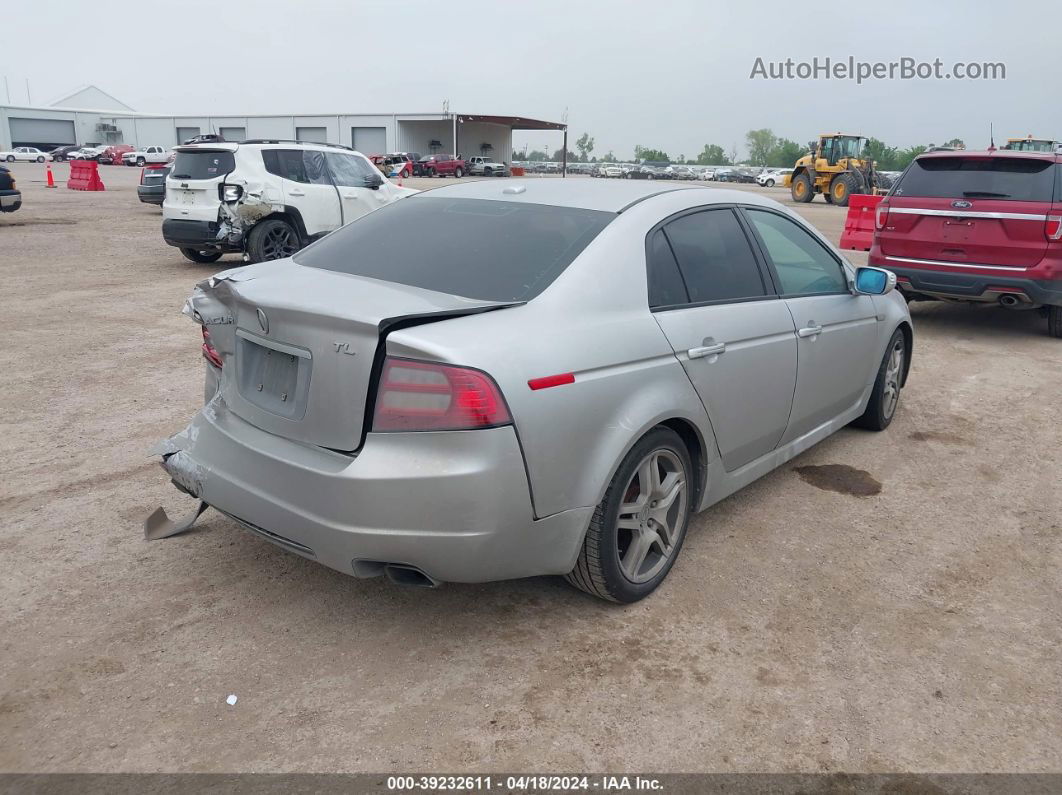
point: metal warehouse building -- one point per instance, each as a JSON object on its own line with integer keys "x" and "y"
{"x": 91, "y": 116}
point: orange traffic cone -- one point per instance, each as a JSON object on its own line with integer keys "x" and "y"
{"x": 51, "y": 179}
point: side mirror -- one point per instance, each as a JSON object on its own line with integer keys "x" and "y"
{"x": 373, "y": 181}
{"x": 874, "y": 281}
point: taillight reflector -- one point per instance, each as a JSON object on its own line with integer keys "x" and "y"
{"x": 1053, "y": 227}
{"x": 881, "y": 217}
{"x": 551, "y": 380}
{"x": 210, "y": 353}
{"x": 425, "y": 396}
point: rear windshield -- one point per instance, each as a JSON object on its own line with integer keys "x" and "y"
{"x": 476, "y": 248}
{"x": 1017, "y": 179}
{"x": 202, "y": 165}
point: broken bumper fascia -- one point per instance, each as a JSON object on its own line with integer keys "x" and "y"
{"x": 455, "y": 505}
{"x": 202, "y": 235}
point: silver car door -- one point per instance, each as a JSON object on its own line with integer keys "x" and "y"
{"x": 733, "y": 336}
{"x": 836, "y": 330}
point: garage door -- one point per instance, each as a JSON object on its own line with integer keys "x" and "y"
{"x": 311, "y": 135}
{"x": 233, "y": 133}
{"x": 184, "y": 133}
{"x": 42, "y": 132}
{"x": 369, "y": 140}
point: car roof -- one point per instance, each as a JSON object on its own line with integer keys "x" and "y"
{"x": 587, "y": 194}
{"x": 1050, "y": 156}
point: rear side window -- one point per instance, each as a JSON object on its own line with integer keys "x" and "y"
{"x": 477, "y": 248}
{"x": 715, "y": 257}
{"x": 1013, "y": 178}
{"x": 202, "y": 165}
{"x": 666, "y": 287}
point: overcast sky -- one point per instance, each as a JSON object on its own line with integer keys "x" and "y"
{"x": 668, "y": 74}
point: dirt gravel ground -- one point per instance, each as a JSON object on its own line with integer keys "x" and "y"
{"x": 884, "y": 602}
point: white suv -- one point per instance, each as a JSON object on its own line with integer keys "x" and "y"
{"x": 266, "y": 199}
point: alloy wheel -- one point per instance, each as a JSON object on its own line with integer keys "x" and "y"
{"x": 651, "y": 515}
{"x": 279, "y": 242}
{"x": 893, "y": 375}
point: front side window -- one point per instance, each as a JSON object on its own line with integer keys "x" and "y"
{"x": 349, "y": 170}
{"x": 803, "y": 264}
{"x": 715, "y": 257}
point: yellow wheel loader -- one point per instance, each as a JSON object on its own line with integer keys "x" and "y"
{"x": 835, "y": 167}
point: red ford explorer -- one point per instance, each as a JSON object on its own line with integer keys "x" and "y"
{"x": 977, "y": 226}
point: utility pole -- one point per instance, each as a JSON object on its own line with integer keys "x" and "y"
{"x": 7, "y": 90}
{"x": 29, "y": 99}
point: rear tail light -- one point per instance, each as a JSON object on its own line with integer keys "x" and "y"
{"x": 210, "y": 353}
{"x": 1053, "y": 227}
{"x": 424, "y": 396}
{"x": 882, "y": 215}
{"x": 229, "y": 193}
{"x": 142, "y": 172}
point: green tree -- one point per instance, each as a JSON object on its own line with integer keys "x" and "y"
{"x": 644, "y": 153}
{"x": 886, "y": 157}
{"x": 760, "y": 143}
{"x": 905, "y": 156}
{"x": 609, "y": 158}
{"x": 785, "y": 153}
{"x": 955, "y": 143}
{"x": 536, "y": 154}
{"x": 585, "y": 145}
{"x": 712, "y": 155}
{"x": 559, "y": 155}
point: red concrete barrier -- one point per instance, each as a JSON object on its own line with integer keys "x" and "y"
{"x": 517, "y": 171}
{"x": 858, "y": 231}
{"x": 84, "y": 175}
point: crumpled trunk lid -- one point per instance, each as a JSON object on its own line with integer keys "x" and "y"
{"x": 300, "y": 345}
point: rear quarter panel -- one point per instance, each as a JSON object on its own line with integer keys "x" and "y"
{"x": 594, "y": 322}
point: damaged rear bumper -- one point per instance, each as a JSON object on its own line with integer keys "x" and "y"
{"x": 201, "y": 235}
{"x": 454, "y": 505}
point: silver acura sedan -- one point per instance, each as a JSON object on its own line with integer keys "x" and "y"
{"x": 490, "y": 381}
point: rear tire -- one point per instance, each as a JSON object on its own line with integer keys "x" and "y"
{"x": 800, "y": 189}
{"x": 886, "y": 395}
{"x": 59, "y": 158}
{"x": 10, "y": 158}
{"x": 1054, "y": 321}
{"x": 272, "y": 239}
{"x": 201, "y": 256}
{"x": 459, "y": 172}
{"x": 634, "y": 537}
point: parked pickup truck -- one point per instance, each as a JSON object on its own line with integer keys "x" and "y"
{"x": 443, "y": 165}
{"x": 149, "y": 154}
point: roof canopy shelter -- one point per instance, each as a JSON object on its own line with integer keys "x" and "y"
{"x": 519, "y": 123}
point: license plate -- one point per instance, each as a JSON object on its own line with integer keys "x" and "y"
{"x": 187, "y": 197}
{"x": 269, "y": 378}
{"x": 957, "y": 231}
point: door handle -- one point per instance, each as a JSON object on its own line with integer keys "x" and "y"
{"x": 706, "y": 350}
{"x": 809, "y": 331}
{"x": 349, "y": 195}
{"x": 296, "y": 193}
